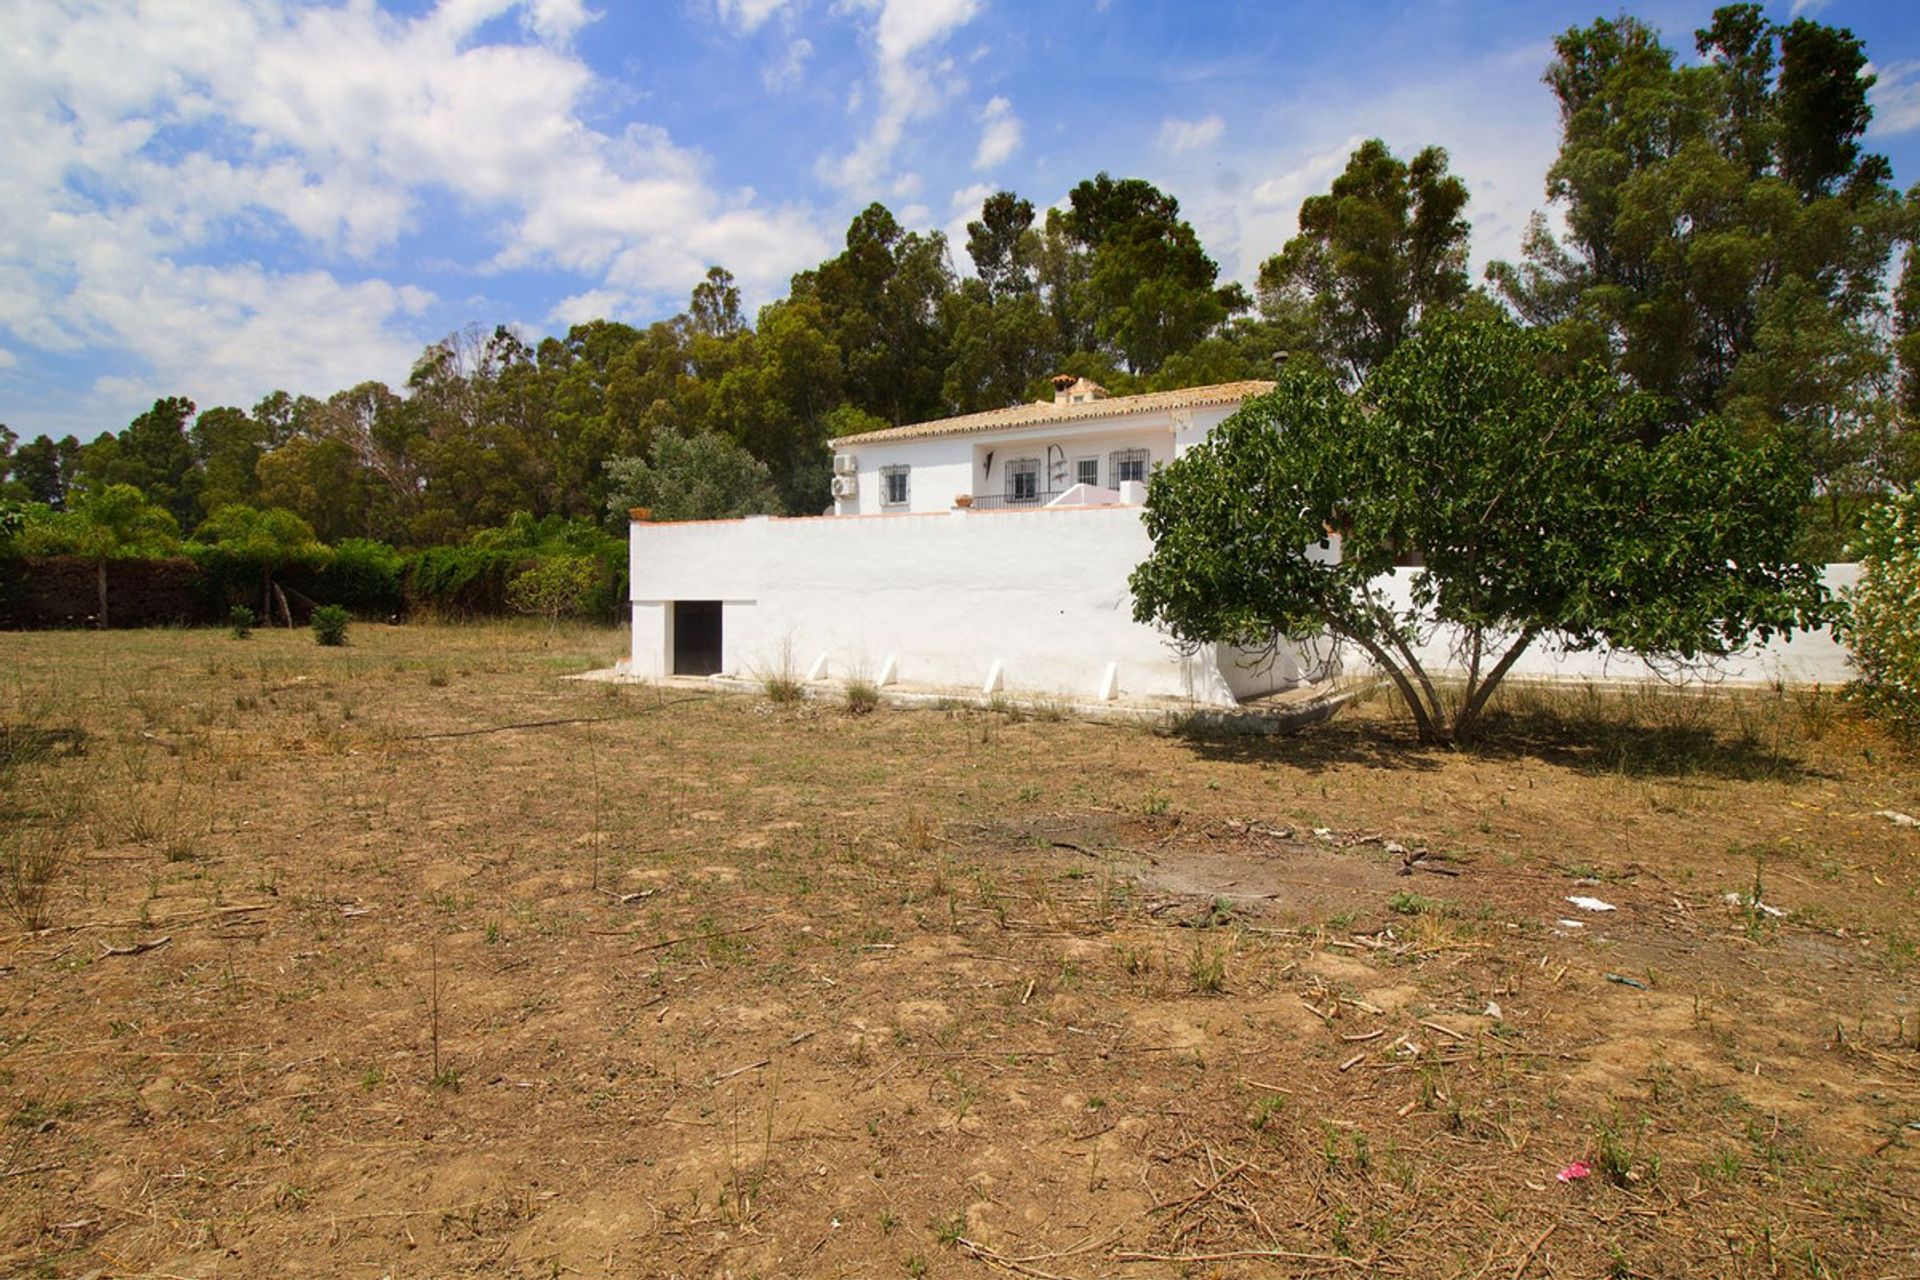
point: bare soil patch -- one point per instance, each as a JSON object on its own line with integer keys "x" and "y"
{"x": 729, "y": 988}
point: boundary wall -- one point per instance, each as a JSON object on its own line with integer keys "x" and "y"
{"x": 1033, "y": 601}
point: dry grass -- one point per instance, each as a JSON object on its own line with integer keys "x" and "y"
{"x": 665, "y": 983}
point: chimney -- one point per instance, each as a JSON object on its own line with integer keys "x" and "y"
{"x": 1068, "y": 389}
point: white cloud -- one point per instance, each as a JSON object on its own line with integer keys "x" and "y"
{"x": 746, "y": 16}
{"x": 1311, "y": 175}
{"x": 964, "y": 207}
{"x": 1493, "y": 115}
{"x": 1895, "y": 98}
{"x": 8, "y": 359}
{"x": 999, "y": 134}
{"x": 791, "y": 67}
{"x": 1191, "y": 135}
{"x": 1808, "y": 8}
{"x": 594, "y": 304}
{"x": 908, "y": 85}
{"x": 556, "y": 21}
{"x": 143, "y": 143}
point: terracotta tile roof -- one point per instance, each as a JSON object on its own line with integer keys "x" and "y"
{"x": 1043, "y": 412}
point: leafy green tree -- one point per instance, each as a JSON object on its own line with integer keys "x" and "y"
{"x": 1000, "y": 349}
{"x": 44, "y": 470}
{"x": 1152, "y": 285}
{"x": 881, "y": 301}
{"x": 1535, "y": 514}
{"x": 153, "y": 455}
{"x": 225, "y": 444}
{"x": 1881, "y": 619}
{"x": 111, "y": 522}
{"x": 1692, "y": 194}
{"x": 1384, "y": 247}
{"x": 1004, "y": 246}
{"x": 239, "y": 538}
{"x": 562, "y": 586}
{"x": 697, "y": 477}
{"x": 321, "y": 481}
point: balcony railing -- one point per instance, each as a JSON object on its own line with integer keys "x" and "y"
{"x": 1007, "y": 502}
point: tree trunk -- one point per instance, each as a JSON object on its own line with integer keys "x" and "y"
{"x": 1468, "y": 721}
{"x": 1423, "y": 723}
{"x": 100, "y": 582}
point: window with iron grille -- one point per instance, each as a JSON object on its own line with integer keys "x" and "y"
{"x": 1087, "y": 471}
{"x": 1128, "y": 464}
{"x": 893, "y": 486}
{"x": 1023, "y": 480}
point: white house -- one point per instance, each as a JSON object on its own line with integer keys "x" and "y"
{"x": 985, "y": 552}
{"x": 1029, "y": 455}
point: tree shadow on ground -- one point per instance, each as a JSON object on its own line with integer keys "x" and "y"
{"x": 1751, "y": 738}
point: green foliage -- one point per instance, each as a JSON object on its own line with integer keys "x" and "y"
{"x": 474, "y": 579}
{"x": 1881, "y": 621}
{"x": 1387, "y": 244}
{"x": 691, "y": 477}
{"x": 1534, "y": 507}
{"x": 271, "y": 539}
{"x": 1150, "y": 283}
{"x": 240, "y": 621}
{"x": 1728, "y": 240}
{"x": 565, "y": 586}
{"x": 152, "y": 455}
{"x": 242, "y": 549}
{"x": 330, "y": 624}
{"x": 365, "y": 576}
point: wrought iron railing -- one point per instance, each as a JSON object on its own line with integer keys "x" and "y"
{"x": 1009, "y": 502}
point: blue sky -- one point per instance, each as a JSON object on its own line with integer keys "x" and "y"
{"x": 218, "y": 198}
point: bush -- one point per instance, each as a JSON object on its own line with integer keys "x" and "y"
{"x": 240, "y": 620}
{"x": 1881, "y": 620}
{"x": 558, "y": 587}
{"x": 476, "y": 579}
{"x": 365, "y": 576}
{"x": 862, "y": 696}
{"x": 330, "y": 624}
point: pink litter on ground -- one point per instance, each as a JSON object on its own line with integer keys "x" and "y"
{"x": 1578, "y": 1169}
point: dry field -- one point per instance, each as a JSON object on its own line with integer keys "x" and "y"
{"x": 414, "y": 959}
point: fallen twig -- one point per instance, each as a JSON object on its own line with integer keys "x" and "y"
{"x": 1230, "y": 1255}
{"x": 1532, "y": 1249}
{"x": 993, "y": 1259}
{"x": 697, "y": 937}
{"x": 740, "y": 1071}
{"x": 152, "y": 944}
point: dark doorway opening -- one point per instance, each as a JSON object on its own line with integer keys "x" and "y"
{"x": 696, "y": 637}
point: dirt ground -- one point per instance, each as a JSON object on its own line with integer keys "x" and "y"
{"x": 413, "y": 958}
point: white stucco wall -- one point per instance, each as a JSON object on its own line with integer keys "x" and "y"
{"x": 1810, "y": 657}
{"x": 943, "y": 598}
{"x": 940, "y": 600}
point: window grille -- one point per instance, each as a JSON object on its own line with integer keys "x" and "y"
{"x": 1023, "y": 480}
{"x": 1128, "y": 464}
{"x": 893, "y": 486}
{"x": 1087, "y": 471}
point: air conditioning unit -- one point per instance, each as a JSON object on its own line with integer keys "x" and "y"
{"x": 845, "y": 464}
{"x": 845, "y": 486}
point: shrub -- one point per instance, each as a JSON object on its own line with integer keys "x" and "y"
{"x": 365, "y": 576}
{"x": 330, "y": 624}
{"x": 862, "y": 696}
{"x": 563, "y": 586}
{"x": 240, "y": 621}
{"x": 1881, "y": 620}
